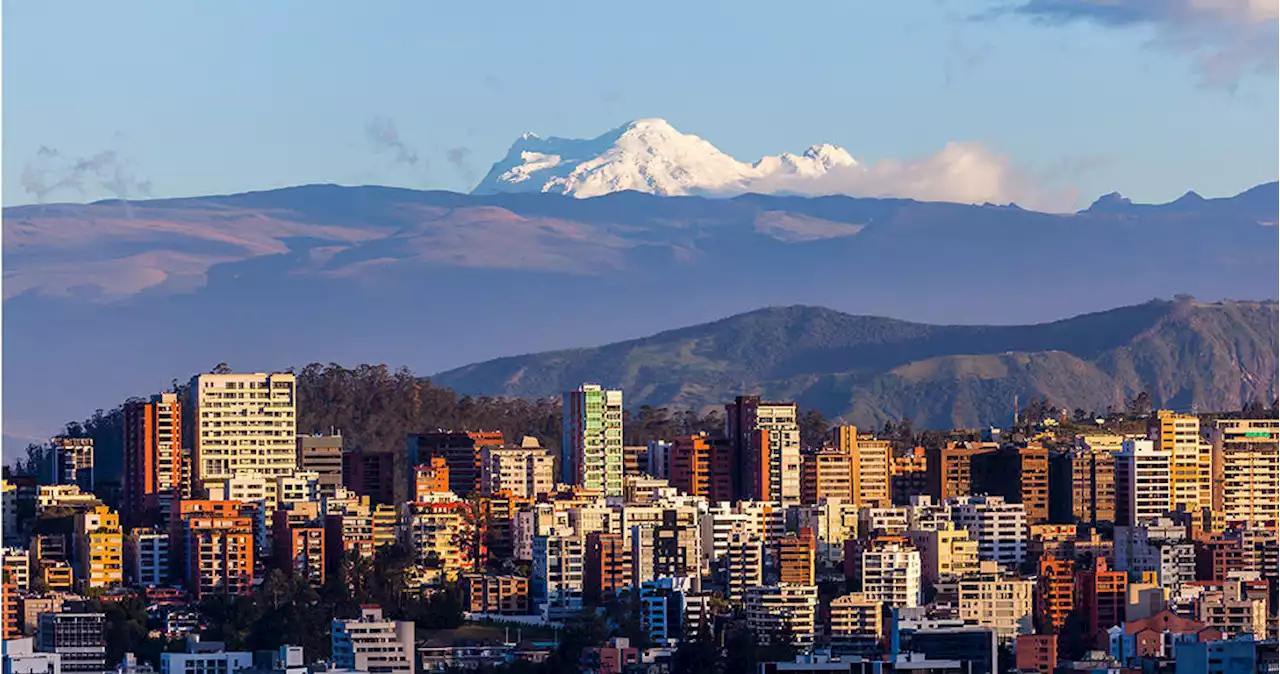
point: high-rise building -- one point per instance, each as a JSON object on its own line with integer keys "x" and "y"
{"x": 1019, "y": 474}
{"x": 1000, "y": 528}
{"x": 608, "y": 567}
{"x": 79, "y": 638}
{"x": 1102, "y": 596}
{"x": 946, "y": 553}
{"x": 461, "y": 450}
{"x": 1142, "y": 483}
{"x": 701, "y": 465}
{"x": 153, "y": 459}
{"x": 826, "y": 473}
{"x": 891, "y": 574}
{"x": 853, "y": 615}
{"x": 591, "y": 450}
{"x": 909, "y": 476}
{"x": 299, "y": 546}
{"x": 1246, "y": 472}
{"x": 1055, "y": 593}
{"x": 217, "y": 547}
{"x": 371, "y": 474}
{"x": 99, "y": 549}
{"x": 765, "y": 438}
{"x": 783, "y": 612}
{"x": 322, "y": 455}
{"x": 1083, "y": 487}
{"x": 525, "y": 471}
{"x": 147, "y": 557}
{"x": 948, "y": 470}
{"x": 797, "y": 557}
{"x": 742, "y": 561}
{"x": 1002, "y": 604}
{"x": 870, "y": 466}
{"x": 373, "y": 644}
{"x": 72, "y": 461}
{"x": 1190, "y": 471}
{"x": 242, "y": 424}
{"x": 430, "y": 478}
{"x": 557, "y": 575}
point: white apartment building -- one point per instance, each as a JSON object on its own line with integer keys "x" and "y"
{"x": 147, "y": 557}
{"x": 524, "y": 471}
{"x": 1143, "y": 486}
{"x": 297, "y": 487}
{"x": 374, "y": 645}
{"x": 886, "y": 521}
{"x": 205, "y": 662}
{"x": 243, "y": 424}
{"x": 742, "y": 563}
{"x": 1162, "y": 547}
{"x": 1246, "y": 472}
{"x": 999, "y": 528}
{"x": 833, "y": 521}
{"x": 1189, "y": 459}
{"x": 16, "y": 566}
{"x": 787, "y": 612}
{"x": 891, "y": 574}
{"x": 1002, "y": 604}
{"x": 925, "y": 515}
{"x": 946, "y": 553}
{"x": 853, "y": 615}
{"x": 557, "y": 575}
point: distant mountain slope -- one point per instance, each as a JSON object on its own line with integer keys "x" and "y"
{"x": 1183, "y": 353}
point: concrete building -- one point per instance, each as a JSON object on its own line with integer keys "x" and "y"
{"x": 495, "y": 594}
{"x": 15, "y": 564}
{"x": 99, "y": 548}
{"x": 374, "y": 645}
{"x": 430, "y": 479}
{"x": 742, "y": 563}
{"x": 949, "y": 470}
{"x": 79, "y": 639}
{"x": 826, "y": 473}
{"x": 20, "y": 657}
{"x": 205, "y": 658}
{"x": 782, "y": 612}
{"x": 1245, "y": 487}
{"x": 891, "y": 574}
{"x": 886, "y": 521}
{"x": 72, "y": 462}
{"x": 1000, "y": 528}
{"x": 592, "y": 440}
{"x": 154, "y": 460}
{"x": 1233, "y": 612}
{"x": 432, "y": 533}
{"x": 854, "y": 615}
{"x": 147, "y": 557}
{"x": 242, "y": 424}
{"x": 1036, "y": 653}
{"x": 608, "y": 567}
{"x": 299, "y": 546}
{"x": 658, "y": 459}
{"x": 1190, "y": 469}
{"x": 945, "y": 554}
{"x": 1083, "y": 484}
{"x": 1102, "y": 597}
{"x": 217, "y": 548}
{"x": 870, "y": 466}
{"x": 558, "y": 575}
{"x": 797, "y": 558}
{"x": 460, "y": 450}
{"x": 909, "y": 476}
{"x": 1019, "y": 474}
{"x": 1002, "y": 604}
{"x": 765, "y": 438}
{"x": 833, "y": 521}
{"x": 322, "y": 455}
{"x": 1142, "y": 483}
{"x": 700, "y": 465}
{"x": 1055, "y": 593}
{"x": 524, "y": 471}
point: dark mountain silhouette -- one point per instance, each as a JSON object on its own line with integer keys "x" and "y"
{"x": 103, "y": 302}
{"x": 867, "y": 369}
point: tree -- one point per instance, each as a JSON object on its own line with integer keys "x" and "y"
{"x": 1079, "y": 416}
{"x": 1139, "y": 406}
{"x": 220, "y": 368}
{"x": 814, "y": 429}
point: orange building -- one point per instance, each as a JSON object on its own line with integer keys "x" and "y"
{"x": 154, "y": 473}
{"x": 826, "y": 473}
{"x": 1036, "y": 653}
{"x": 214, "y": 546}
{"x": 870, "y": 466}
{"x": 796, "y": 556}
{"x": 1019, "y": 474}
{"x": 909, "y": 473}
{"x": 504, "y": 595}
{"x": 607, "y": 567}
{"x": 1055, "y": 593}
{"x": 461, "y": 451}
{"x": 701, "y": 465}
{"x": 1101, "y": 595}
{"x": 949, "y": 470}
{"x": 9, "y": 610}
{"x": 298, "y": 546}
{"x": 430, "y": 478}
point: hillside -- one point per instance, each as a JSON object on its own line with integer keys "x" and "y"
{"x": 866, "y": 369}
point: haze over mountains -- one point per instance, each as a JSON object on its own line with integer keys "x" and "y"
{"x": 103, "y": 301}
{"x": 1186, "y": 355}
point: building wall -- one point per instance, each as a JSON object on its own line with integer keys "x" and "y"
{"x": 243, "y": 424}
{"x": 592, "y": 442}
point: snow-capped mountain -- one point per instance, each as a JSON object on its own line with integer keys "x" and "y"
{"x": 646, "y": 155}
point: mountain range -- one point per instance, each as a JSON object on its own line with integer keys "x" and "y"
{"x": 107, "y": 300}
{"x": 1186, "y": 355}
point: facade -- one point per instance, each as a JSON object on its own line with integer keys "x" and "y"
{"x": 999, "y": 528}
{"x": 700, "y": 465}
{"x": 909, "y": 477}
{"x": 147, "y": 557}
{"x": 322, "y": 455}
{"x": 72, "y": 462}
{"x": 870, "y": 466}
{"x": 782, "y": 612}
{"x": 372, "y": 474}
{"x": 608, "y": 567}
{"x": 1142, "y": 483}
{"x": 891, "y": 574}
{"x": 1002, "y": 604}
{"x": 460, "y": 450}
{"x": 826, "y": 473}
{"x": 1083, "y": 484}
{"x": 79, "y": 639}
{"x": 430, "y": 478}
{"x": 374, "y": 645}
{"x": 1245, "y": 485}
{"x": 299, "y": 547}
{"x": 854, "y": 615}
{"x": 218, "y": 551}
{"x": 1018, "y": 474}
{"x": 592, "y": 443}
{"x": 1102, "y": 594}
{"x": 154, "y": 466}
{"x": 946, "y": 553}
{"x": 494, "y": 594}
{"x": 1036, "y": 653}
{"x": 524, "y": 472}
{"x": 557, "y": 580}
{"x": 1190, "y": 472}
{"x": 797, "y": 558}
{"x": 1055, "y": 593}
{"x": 99, "y": 549}
{"x": 242, "y": 424}
{"x": 765, "y": 441}
{"x": 948, "y": 470}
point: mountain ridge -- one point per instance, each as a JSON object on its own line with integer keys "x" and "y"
{"x": 868, "y": 369}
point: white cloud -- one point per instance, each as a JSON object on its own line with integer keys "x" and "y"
{"x": 1227, "y": 38}
{"x": 961, "y": 172}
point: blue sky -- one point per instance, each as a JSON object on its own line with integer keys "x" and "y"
{"x": 197, "y": 98}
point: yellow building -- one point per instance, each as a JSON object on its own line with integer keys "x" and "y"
{"x": 945, "y": 553}
{"x": 1189, "y": 466}
{"x": 57, "y": 576}
{"x": 824, "y": 474}
{"x": 384, "y": 525}
{"x": 1002, "y": 604}
{"x": 99, "y": 548}
{"x": 870, "y": 466}
{"x": 1246, "y": 472}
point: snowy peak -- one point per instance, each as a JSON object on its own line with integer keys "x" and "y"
{"x": 646, "y": 155}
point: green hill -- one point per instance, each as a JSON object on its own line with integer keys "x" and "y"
{"x": 1185, "y": 354}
